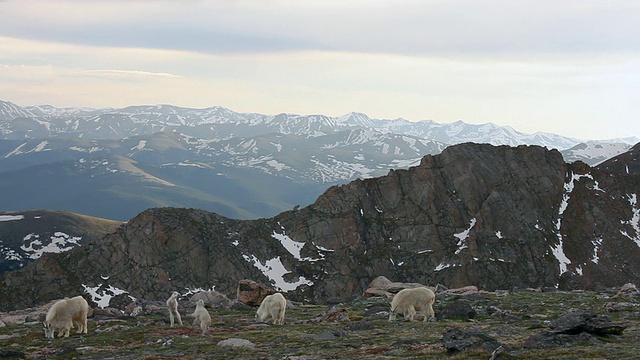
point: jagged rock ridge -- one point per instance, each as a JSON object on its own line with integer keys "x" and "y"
{"x": 495, "y": 217}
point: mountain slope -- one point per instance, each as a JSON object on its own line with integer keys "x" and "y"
{"x": 239, "y": 177}
{"x": 26, "y": 236}
{"x": 240, "y": 165}
{"x": 594, "y": 152}
{"x": 495, "y": 217}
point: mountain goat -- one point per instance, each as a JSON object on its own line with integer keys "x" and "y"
{"x": 410, "y": 301}
{"x": 272, "y": 308}
{"x": 201, "y": 316}
{"x": 64, "y": 314}
{"x": 172, "y": 305}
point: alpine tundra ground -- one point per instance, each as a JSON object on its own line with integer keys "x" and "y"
{"x": 358, "y": 329}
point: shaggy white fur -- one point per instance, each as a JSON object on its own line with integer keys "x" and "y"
{"x": 410, "y": 301}
{"x": 272, "y": 308}
{"x": 172, "y": 305}
{"x": 64, "y": 314}
{"x": 201, "y": 316}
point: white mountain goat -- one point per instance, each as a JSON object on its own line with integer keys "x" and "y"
{"x": 64, "y": 314}
{"x": 172, "y": 305}
{"x": 410, "y": 301}
{"x": 272, "y": 308}
{"x": 201, "y": 316}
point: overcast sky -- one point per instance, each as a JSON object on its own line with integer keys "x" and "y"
{"x": 561, "y": 66}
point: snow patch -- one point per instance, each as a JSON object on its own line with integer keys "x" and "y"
{"x": 11, "y": 217}
{"x": 634, "y": 222}
{"x": 293, "y": 247}
{"x": 41, "y": 146}
{"x": 558, "y": 250}
{"x": 442, "y": 266}
{"x": 9, "y": 254}
{"x": 140, "y": 146}
{"x": 579, "y": 270}
{"x": 277, "y": 165}
{"x": 191, "y": 291}
{"x": 183, "y": 163}
{"x": 596, "y": 248}
{"x": 275, "y": 271}
{"x": 424, "y": 251}
{"x": 103, "y": 297}
{"x": 60, "y": 242}
{"x": 462, "y": 236}
{"x": 321, "y": 248}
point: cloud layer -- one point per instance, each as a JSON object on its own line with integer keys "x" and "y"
{"x": 560, "y": 66}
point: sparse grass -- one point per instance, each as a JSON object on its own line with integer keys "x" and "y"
{"x": 150, "y": 337}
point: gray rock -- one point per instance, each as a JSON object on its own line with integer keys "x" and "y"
{"x": 360, "y": 326}
{"x": 236, "y": 304}
{"x": 456, "y": 340}
{"x": 329, "y": 335}
{"x": 578, "y": 321}
{"x": 12, "y": 354}
{"x": 381, "y": 286}
{"x": 548, "y": 340}
{"x": 212, "y": 299}
{"x": 459, "y": 309}
{"x": 236, "y": 342}
{"x": 376, "y": 308}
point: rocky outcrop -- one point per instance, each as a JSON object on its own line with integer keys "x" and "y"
{"x": 574, "y": 326}
{"x": 251, "y": 293}
{"x": 493, "y": 217}
{"x": 381, "y": 286}
{"x": 456, "y": 340}
{"x": 212, "y": 299}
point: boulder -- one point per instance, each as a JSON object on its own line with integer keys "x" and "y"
{"x": 213, "y": 299}
{"x": 627, "y": 289}
{"x": 236, "y": 343}
{"x": 548, "y": 340}
{"x": 381, "y": 286}
{"x": 460, "y": 309}
{"x": 252, "y": 293}
{"x": 335, "y": 314}
{"x": 456, "y": 340}
{"x": 463, "y": 291}
{"x": 578, "y": 321}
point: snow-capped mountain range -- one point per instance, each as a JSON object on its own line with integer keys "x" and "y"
{"x": 221, "y": 123}
{"x": 242, "y": 165}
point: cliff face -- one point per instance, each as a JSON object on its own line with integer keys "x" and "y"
{"x": 494, "y": 217}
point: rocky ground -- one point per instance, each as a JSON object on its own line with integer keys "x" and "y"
{"x": 469, "y": 325}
